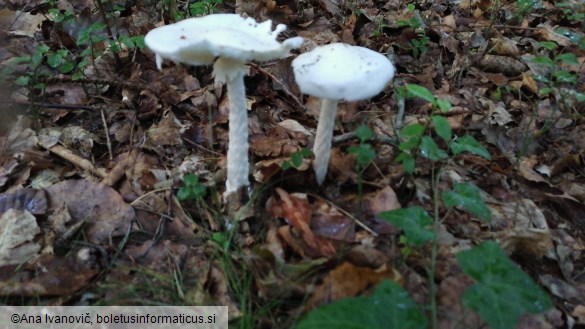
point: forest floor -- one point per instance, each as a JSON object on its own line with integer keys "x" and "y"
{"x": 468, "y": 211}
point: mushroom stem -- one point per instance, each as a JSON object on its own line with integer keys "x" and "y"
{"x": 322, "y": 145}
{"x": 232, "y": 73}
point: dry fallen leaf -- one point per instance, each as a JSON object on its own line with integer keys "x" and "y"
{"x": 348, "y": 280}
{"x": 101, "y": 207}
{"x": 17, "y": 231}
{"x": 32, "y": 200}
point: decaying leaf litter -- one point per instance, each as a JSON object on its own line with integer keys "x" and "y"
{"x": 91, "y": 163}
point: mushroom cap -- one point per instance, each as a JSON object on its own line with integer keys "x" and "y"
{"x": 198, "y": 41}
{"x": 340, "y": 71}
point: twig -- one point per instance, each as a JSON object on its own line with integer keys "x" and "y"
{"x": 120, "y": 168}
{"x": 76, "y": 160}
{"x": 108, "y": 141}
{"x": 505, "y": 26}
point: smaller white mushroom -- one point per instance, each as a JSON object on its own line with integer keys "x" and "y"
{"x": 227, "y": 41}
{"x": 338, "y": 72}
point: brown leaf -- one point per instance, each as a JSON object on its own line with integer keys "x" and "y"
{"x": 329, "y": 222}
{"x": 348, "y": 280}
{"x": 101, "y": 207}
{"x": 297, "y": 211}
{"x": 17, "y": 231}
{"x": 501, "y": 64}
{"x": 160, "y": 257}
{"x": 504, "y": 47}
{"x": 380, "y": 201}
{"x": 32, "y": 200}
{"x": 59, "y": 277}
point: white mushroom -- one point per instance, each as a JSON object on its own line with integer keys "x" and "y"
{"x": 228, "y": 41}
{"x": 338, "y": 72}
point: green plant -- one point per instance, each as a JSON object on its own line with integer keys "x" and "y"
{"x": 388, "y": 307}
{"x": 192, "y": 190}
{"x": 45, "y": 61}
{"x": 557, "y": 80}
{"x": 573, "y": 11}
{"x": 364, "y": 154}
{"x": 502, "y": 292}
{"x": 204, "y": 7}
{"x": 380, "y": 25}
{"x": 487, "y": 264}
{"x": 523, "y": 7}
{"x": 296, "y": 159}
{"x": 413, "y": 22}
{"x": 418, "y": 46}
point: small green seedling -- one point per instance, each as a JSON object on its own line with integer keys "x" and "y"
{"x": 192, "y": 190}
{"x": 364, "y": 152}
{"x": 296, "y": 159}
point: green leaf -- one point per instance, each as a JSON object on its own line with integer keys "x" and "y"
{"x": 413, "y": 221}
{"x": 66, "y": 67}
{"x": 568, "y": 58}
{"x": 364, "y": 154}
{"x": 543, "y": 60}
{"x": 389, "y": 307}
{"x": 503, "y": 292}
{"x": 443, "y": 105}
{"x": 139, "y": 41}
{"x": 192, "y": 189}
{"x": 191, "y": 180}
{"x": 54, "y": 60}
{"x": 410, "y": 136}
{"x": 550, "y": 45}
{"x": 467, "y": 196}
{"x": 442, "y": 127}
{"x": 564, "y": 76}
{"x": 364, "y": 133}
{"x": 407, "y": 161}
{"x": 541, "y": 78}
{"x": 296, "y": 159}
{"x": 430, "y": 150}
{"x": 185, "y": 193}
{"x": 546, "y": 91}
{"x": 420, "y": 92}
{"x": 469, "y": 144}
{"x": 22, "y": 81}
{"x": 36, "y": 59}
{"x": 19, "y": 60}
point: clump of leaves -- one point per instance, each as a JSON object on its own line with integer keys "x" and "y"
{"x": 557, "y": 77}
{"x": 415, "y": 141}
{"x": 418, "y": 46}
